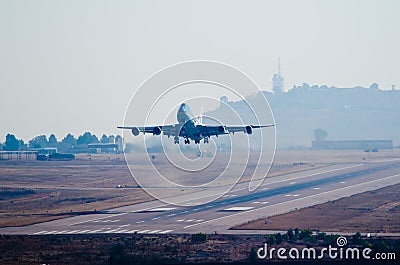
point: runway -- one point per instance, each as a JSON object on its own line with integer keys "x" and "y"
{"x": 277, "y": 195}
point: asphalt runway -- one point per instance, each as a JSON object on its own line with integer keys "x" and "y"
{"x": 277, "y": 195}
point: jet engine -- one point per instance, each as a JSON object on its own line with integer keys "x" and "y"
{"x": 156, "y": 131}
{"x": 249, "y": 130}
{"x": 221, "y": 129}
{"x": 135, "y": 131}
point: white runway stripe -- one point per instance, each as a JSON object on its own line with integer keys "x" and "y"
{"x": 161, "y": 209}
{"x": 154, "y": 231}
{"x": 73, "y": 232}
{"x": 238, "y": 208}
{"x": 96, "y": 231}
{"x": 110, "y": 231}
{"x": 50, "y": 232}
{"x": 62, "y": 232}
{"x": 39, "y": 233}
{"x": 189, "y": 220}
{"x": 166, "y": 231}
{"x": 107, "y": 231}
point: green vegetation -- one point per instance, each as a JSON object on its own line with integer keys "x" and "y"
{"x": 13, "y": 144}
{"x": 118, "y": 255}
{"x": 65, "y": 145}
{"x": 305, "y": 236}
{"x": 199, "y": 238}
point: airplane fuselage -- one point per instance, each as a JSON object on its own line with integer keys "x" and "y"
{"x": 188, "y": 123}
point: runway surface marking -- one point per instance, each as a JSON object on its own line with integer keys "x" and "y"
{"x": 386, "y": 160}
{"x": 187, "y": 201}
{"x": 282, "y": 203}
{"x": 189, "y": 220}
{"x": 114, "y": 215}
{"x": 269, "y": 183}
{"x": 313, "y": 174}
{"x": 102, "y": 230}
{"x": 166, "y": 231}
{"x": 238, "y": 208}
{"x": 160, "y": 209}
{"x": 106, "y": 221}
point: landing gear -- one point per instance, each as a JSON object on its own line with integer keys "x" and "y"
{"x": 187, "y": 141}
{"x": 197, "y": 141}
{"x": 206, "y": 140}
{"x": 176, "y": 140}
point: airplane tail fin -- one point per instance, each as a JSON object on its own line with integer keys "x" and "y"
{"x": 201, "y": 116}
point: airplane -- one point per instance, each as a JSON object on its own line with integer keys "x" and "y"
{"x": 190, "y": 127}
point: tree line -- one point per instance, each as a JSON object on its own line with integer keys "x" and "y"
{"x": 12, "y": 143}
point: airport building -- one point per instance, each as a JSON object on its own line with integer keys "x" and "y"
{"x": 9, "y": 155}
{"x": 103, "y": 148}
{"x": 114, "y": 145}
{"x": 45, "y": 150}
{"x": 352, "y": 145}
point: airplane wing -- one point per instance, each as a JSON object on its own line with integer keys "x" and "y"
{"x": 210, "y": 130}
{"x": 246, "y": 129}
{"x": 155, "y": 130}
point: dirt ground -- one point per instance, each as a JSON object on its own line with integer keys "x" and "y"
{"x": 36, "y": 191}
{"x": 369, "y": 212}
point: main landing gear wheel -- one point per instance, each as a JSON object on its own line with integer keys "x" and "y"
{"x": 187, "y": 141}
{"x": 176, "y": 140}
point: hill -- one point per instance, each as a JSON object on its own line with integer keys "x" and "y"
{"x": 345, "y": 113}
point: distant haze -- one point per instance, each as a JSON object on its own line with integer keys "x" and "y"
{"x": 71, "y": 66}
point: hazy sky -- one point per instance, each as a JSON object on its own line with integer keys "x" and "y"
{"x": 71, "y": 66}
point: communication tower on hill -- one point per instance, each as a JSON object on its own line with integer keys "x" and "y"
{"x": 277, "y": 81}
